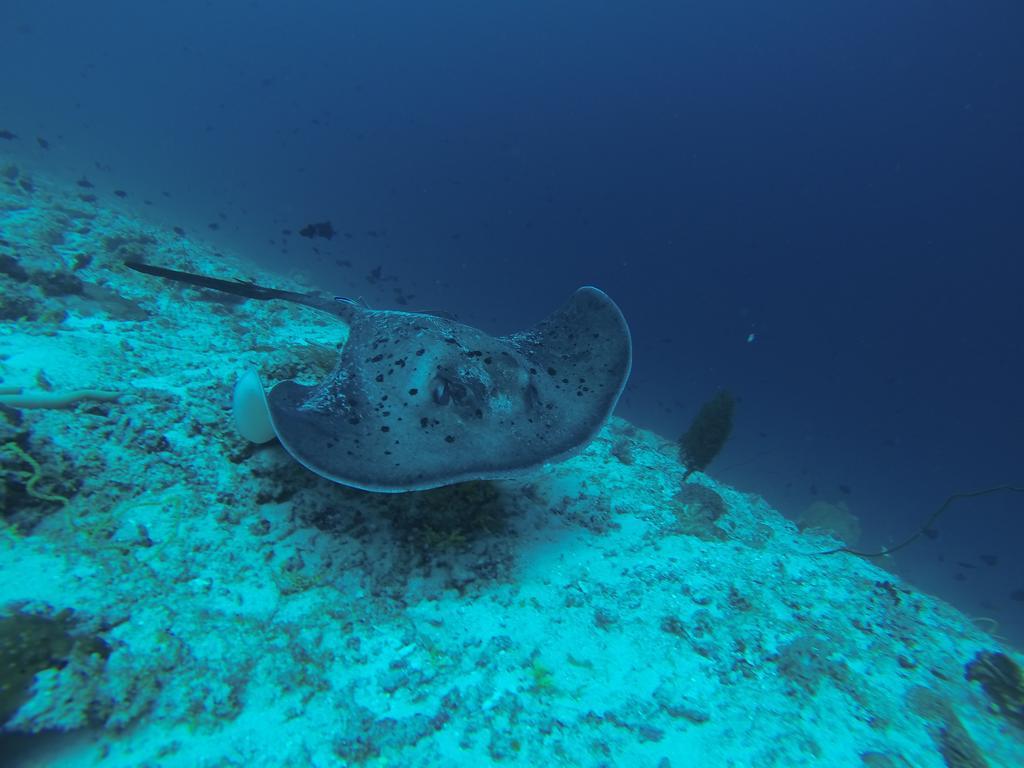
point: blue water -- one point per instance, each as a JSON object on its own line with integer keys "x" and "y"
{"x": 816, "y": 205}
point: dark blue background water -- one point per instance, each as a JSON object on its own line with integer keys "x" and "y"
{"x": 844, "y": 181}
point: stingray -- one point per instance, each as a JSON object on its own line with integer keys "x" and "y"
{"x": 418, "y": 400}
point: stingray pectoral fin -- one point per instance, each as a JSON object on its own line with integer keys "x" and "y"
{"x": 250, "y": 410}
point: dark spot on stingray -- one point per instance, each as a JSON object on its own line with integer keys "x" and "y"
{"x": 413, "y": 391}
{"x": 385, "y": 428}
{"x": 552, "y": 372}
{"x": 419, "y": 352}
{"x": 379, "y": 378}
{"x": 376, "y": 358}
{"x": 354, "y": 420}
{"x": 533, "y": 371}
{"x": 424, "y": 422}
{"x": 488, "y": 361}
{"x": 449, "y": 438}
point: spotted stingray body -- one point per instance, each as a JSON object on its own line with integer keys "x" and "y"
{"x": 418, "y": 401}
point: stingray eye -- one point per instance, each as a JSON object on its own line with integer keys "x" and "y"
{"x": 441, "y": 394}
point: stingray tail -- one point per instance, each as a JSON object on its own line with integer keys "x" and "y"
{"x": 246, "y": 289}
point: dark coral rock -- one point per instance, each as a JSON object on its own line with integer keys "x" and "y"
{"x": 623, "y": 451}
{"x": 30, "y": 643}
{"x": 18, "y": 308}
{"x": 1002, "y": 681}
{"x": 698, "y": 508}
{"x": 9, "y": 266}
{"x": 60, "y": 284}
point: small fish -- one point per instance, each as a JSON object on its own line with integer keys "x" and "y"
{"x": 121, "y": 193}
{"x": 1017, "y": 595}
{"x": 179, "y": 231}
{"x": 5, "y": 134}
{"x": 988, "y": 559}
{"x": 322, "y": 229}
{"x": 42, "y": 142}
{"x": 213, "y": 225}
{"x": 84, "y": 183}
